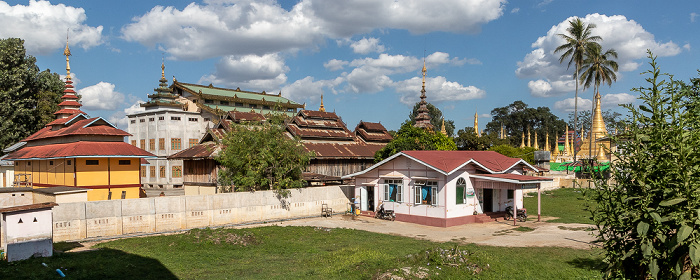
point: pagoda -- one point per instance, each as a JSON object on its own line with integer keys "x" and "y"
{"x": 69, "y": 104}
{"x": 423, "y": 118}
{"x": 590, "y": 148}
{"x": 163, "y": 96}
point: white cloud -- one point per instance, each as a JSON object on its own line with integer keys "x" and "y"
{"x": 693, "y": 16}
{"x": 249, "y": 71}
{"x": 365, "y": 46}
{"x": 515, "y": 10}
{"x": 627, "y": 37}
{"x": 307, "y": 89}
{"x": 438, "y": 89}
{"x": 218, "y": 28}
{"x": 540, "y": 88}
{"x": 101, "y": 96}
{"x": 567, "y": 105}
{"x": 43, "y": 26}
{"x": 120, "y": 119}
{"x": 686, "y": 46}
{"x": 607, "y": 101}
{"x": 335, "y": 64}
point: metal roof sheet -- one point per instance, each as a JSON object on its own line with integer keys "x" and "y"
{"x": 79, "y": 149}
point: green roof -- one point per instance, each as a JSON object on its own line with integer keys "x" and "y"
{"x": 237, "y": 93}
{"x": 246, "y": 110}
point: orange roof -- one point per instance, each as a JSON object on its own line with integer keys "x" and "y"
{"x": 84, "y": 149}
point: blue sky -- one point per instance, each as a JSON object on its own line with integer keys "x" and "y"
{"x": 364, "y": 56}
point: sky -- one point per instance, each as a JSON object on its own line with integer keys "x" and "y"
{"x": 363, "y": 56}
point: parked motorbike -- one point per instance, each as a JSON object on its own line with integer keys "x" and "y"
{"x": 385, "y": 214}
{"x": 522, "y": 214}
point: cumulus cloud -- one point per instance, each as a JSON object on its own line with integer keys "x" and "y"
{"x": 515, "y": 10}
{"x": 43, "y": 26}
{"x": 693, "y": 16}
{"x": 101, "y": 96}
{"x": 335, "y": 64}
{"x": 439, "y": 90}
{"x": 607, "y": 101}
{"x": 218, "y": 28}
{"x": 249, "y": 71}
{"x": 686, "y": 46}
{"x": 627, "y": 37}
{"x": 120, "y": 119}
{"x": 365, "y": 46}
{"x": 307, "y": 89}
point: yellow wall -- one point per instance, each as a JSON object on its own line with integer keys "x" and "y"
{"x": 92, "y": 175}
{"x": 124, "y": 174}
{"x": 102, "y": 194}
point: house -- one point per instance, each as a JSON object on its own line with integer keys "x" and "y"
{"x": 76, "y": 150}
{"x": 444, "y": 188}
{"x": 27, "y": 231}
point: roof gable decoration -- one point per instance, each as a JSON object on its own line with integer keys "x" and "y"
{"x": 97, "y": 120}
{"x": 444, "y": 172}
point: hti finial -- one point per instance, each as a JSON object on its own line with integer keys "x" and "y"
{"x": 322, "y": 109}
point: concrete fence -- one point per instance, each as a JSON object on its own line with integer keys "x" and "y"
{"x": 96, "y": 219}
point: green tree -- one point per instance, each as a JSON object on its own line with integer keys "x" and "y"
{"x": 614, "y": 121}
{"x": 261, "y": 157}
{"x": 648, "y": 214}
{"x": 29, "y": 96}
{"x": 598, "y": 68}
{"x": 410, "y": 138}
{"x": 435, "y": 118}
{"x": 517, "y": 117}
{"x": 526, "y": 153}
{"x": 578, "y": 41}
{"x": 468, "y": 140}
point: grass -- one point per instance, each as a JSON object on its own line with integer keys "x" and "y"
{"x": 568, "y": 205}
{"x": 304, "y": 253}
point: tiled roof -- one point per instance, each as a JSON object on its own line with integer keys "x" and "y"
{"x": 447, "y": 161}
{"x": 93, "y": 126}
{"x": 79, "y": 149}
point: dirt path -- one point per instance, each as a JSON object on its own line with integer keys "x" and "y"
{"x": 499, "y": 233}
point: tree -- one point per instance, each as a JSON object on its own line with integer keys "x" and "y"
{"x": 517, "y": 117}
{"x": 526, "y": 153}
{"x": 435, "y": 118}
{"x": 647, "y": 213}
{"x": 614, "y": 122}
{"x": 262, "y": 158}
{"x": 598, "y": 68}
{"x": 29, "y": 96}
{"x": 410, "y": 138}
{"x": 578, "y": 41}
{"x": 468, "y": 140}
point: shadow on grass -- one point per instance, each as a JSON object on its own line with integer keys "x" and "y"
{"x": 98, "y": 264}
{"x": 590, "y": 263}
{"x": 66, "y": 246}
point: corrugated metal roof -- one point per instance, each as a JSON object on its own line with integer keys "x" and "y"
{"x": 210, "y": 90}
{"x": 370, "y": 126}
{"x": 515, "y": 177}
{"x": 201, "y": 151}
{"x": 449, "y": 160}
{"x": 28, "y": 207}
{"x": 93, "y": 126}
{"x": 383, "y": 137}
{"x": 79, "y": 149}
{"x": 339, "y": 150}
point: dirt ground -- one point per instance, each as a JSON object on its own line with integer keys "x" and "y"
{"x": 499, "y": 233}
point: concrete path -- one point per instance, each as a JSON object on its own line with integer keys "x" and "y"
{"x": 500, "y": 233}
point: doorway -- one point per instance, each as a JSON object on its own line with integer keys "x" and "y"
{"x": 367, "y": 198}
{"x": 488, "y": 200}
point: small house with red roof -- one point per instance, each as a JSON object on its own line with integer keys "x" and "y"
{"x": 76, "y": 150}
{"x": 444, "y": 188}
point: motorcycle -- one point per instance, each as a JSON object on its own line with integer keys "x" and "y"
{"x": 522, "y": 214}
{"x": 385, "y": 214}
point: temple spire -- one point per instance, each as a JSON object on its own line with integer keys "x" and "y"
{"x": 546, "y": 141}
{"x": 476, "y": 123}
{"x": 537, "y": 146}
{"x": 567, "y": 151}
{"x": 522, "y": 141}
{"x": 423, "y": 118}
{"x": 321, "y": 108}
{"x": 529, "y": 136}
{"x": 69, "y": 104}
{"x": 442, "y": 129}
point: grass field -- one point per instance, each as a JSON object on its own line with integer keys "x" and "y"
{"x": 568, "y": 205}
{"x": 304, "y": 253}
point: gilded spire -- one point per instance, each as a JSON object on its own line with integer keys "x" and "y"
{"x": 529, "y": 144}
{"x": 567, "y": 151}
{"x": 321, "y": 108}
{"x": 537, "y": 147}
{"x": 69, "y": 101}
{"x": 66, "y": 52}
{"x": 476, "y": 123}
{"x": 598, "y": 129}
{"x": 522, "y": 141}
{"x": 442, "y": 129}
{"x": 546, "y": 141}
{"x": 556, "y": 146}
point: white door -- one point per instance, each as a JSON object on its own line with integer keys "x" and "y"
{"x": 364, "y": 198}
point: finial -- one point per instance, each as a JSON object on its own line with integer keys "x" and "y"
{"x": 162, "y": 67}
{"x": 322, "y": 109}
{"x": 424, "y": 71}
{"x": 66, "y": 52}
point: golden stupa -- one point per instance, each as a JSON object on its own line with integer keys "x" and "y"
{"x": 595, "y": 148}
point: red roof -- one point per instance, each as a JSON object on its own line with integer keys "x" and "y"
{"x": 68, "y": 111}
{"x": 65, "y": 120}
{"x": 70, "y": 103}
{"x": 69, "y": 96}
{"x": 79, "y": 149}
{"x": 93, "y": 126}
{"x": 448, "y": 161}
{"x": 514, "y": 177}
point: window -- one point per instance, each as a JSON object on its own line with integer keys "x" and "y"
{"x": 266, "y": 107}
{"x": 207, "y": 119}
{"x": 510, "y": 194}
{"x": 133, "y": 143}
{"x": 461, "y": 191}
{"x": 426, "y": 192}
{"x": 161, "y": 143}
{"x": 175, "y": 144}
{"x": 193, "y": 141}
{"x": 92, "y": 162}
{"x": 151, "y": 119}
{"x": 109, "y": 196}
{"x": 153, "y": 171}
{"x": 29, "y": 163}
{"x": 162, "y": 171}
{"x": 143, "y": 172}
{"x": 151, "y": 144}
{"x": 123, "y": 194}
{"x": 50, "y": 162}
{"x": 223, "y": 103}
{"x": 174, "y": 118}
{"x": 143, "y": 143}
{"x": 133, "y": 121}
{"x": 161, "y": 118}
{"x": 193, "y": 119}
{"x": 177, "y": 171}
{"x": 142, "y": 120}
{"x": 124, "y": 162}
{"x": 69, "y": 162}
{"x": 238, "y": 104}
{"x": 290, "y": 110}
{"x": 393, "y": 190}
{"x": 208, "y": 101}
{"x": 253, "y": 106}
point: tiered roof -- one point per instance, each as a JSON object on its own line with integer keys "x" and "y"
{"x": 372, "y": 132}
{"x": 164, "y": 96}
{"x": 423, "y": 118}
{"x": 70, "y": 105}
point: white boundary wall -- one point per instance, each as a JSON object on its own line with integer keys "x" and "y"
{"x": 97, "y": 219}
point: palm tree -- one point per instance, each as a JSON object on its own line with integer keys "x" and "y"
{"x": 598, "y": 67}
{"x": 578, "y": 40}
